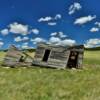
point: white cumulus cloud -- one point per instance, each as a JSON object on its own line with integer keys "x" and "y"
{"x": 38, "y": 40}
{"x": 92, "y": 43}
{"x": 54, "y": 40}
{"x": 35, "y": 31}
{"x": 19, "y": 39}
{"x": 58, "y": 16}
{"x": 18, "y": 28}
{"x": 25, "y": 38}
{"x": 58, "y": 41}
{"x": 4, "y": 32}
{"x": 68, "y": 42}
{"x": 74, "y": 7}
{"x": 45, "y": 19}
{"x": 59, "y": 34}
{"x": 94, "y": 29}
{"x": 50, "y": 20}
{"x": 84, "y": 20}
{"x": 98, "y": 24}
{"x": 54, "y": 34}
{"x": 62, "y": 35}
{"x": 52, "y": 23}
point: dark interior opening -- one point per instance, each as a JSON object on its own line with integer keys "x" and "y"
{"x": 46, "y": 55}
{"x": 21, "y": 59}
{"x": 72, "y": 62}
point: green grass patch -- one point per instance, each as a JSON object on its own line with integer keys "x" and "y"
{"x": 92, "y": 57}
{"x": 52, "y": 84}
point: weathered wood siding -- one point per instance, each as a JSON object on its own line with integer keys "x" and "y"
{"x": 80, "y": 60}
{"x": 58, "y": 56}
{"x": 13, "y": 56}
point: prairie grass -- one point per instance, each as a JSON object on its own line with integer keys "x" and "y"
{"x": 52, "y": 84}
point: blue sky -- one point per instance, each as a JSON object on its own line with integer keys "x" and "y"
{"x": 61, "y": 22}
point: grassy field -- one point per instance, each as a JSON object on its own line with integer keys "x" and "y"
{"x": 52, "y": 84}
{"x": 92, "y": 57}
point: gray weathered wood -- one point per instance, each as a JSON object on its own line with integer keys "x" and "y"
{"x": 13, "y": 57}
{"x": 59, "y": 55}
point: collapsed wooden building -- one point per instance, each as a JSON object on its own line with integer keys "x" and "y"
{"x": 15, "y": 57}
{"x": 46, "y": 55}
{"x": 59, "y": 56}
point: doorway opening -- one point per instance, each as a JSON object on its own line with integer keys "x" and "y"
{"x": 46, "y": 55}
{"x": 72, "y": 62}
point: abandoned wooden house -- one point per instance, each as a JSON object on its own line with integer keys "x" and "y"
{"x": 15, "y": 57}
{"x": 59, "y": 56}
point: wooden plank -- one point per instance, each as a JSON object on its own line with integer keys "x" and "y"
{"x": 80, "y": 60}
{"x": 13, "y": 56}
{"x": 14, "y": 53}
